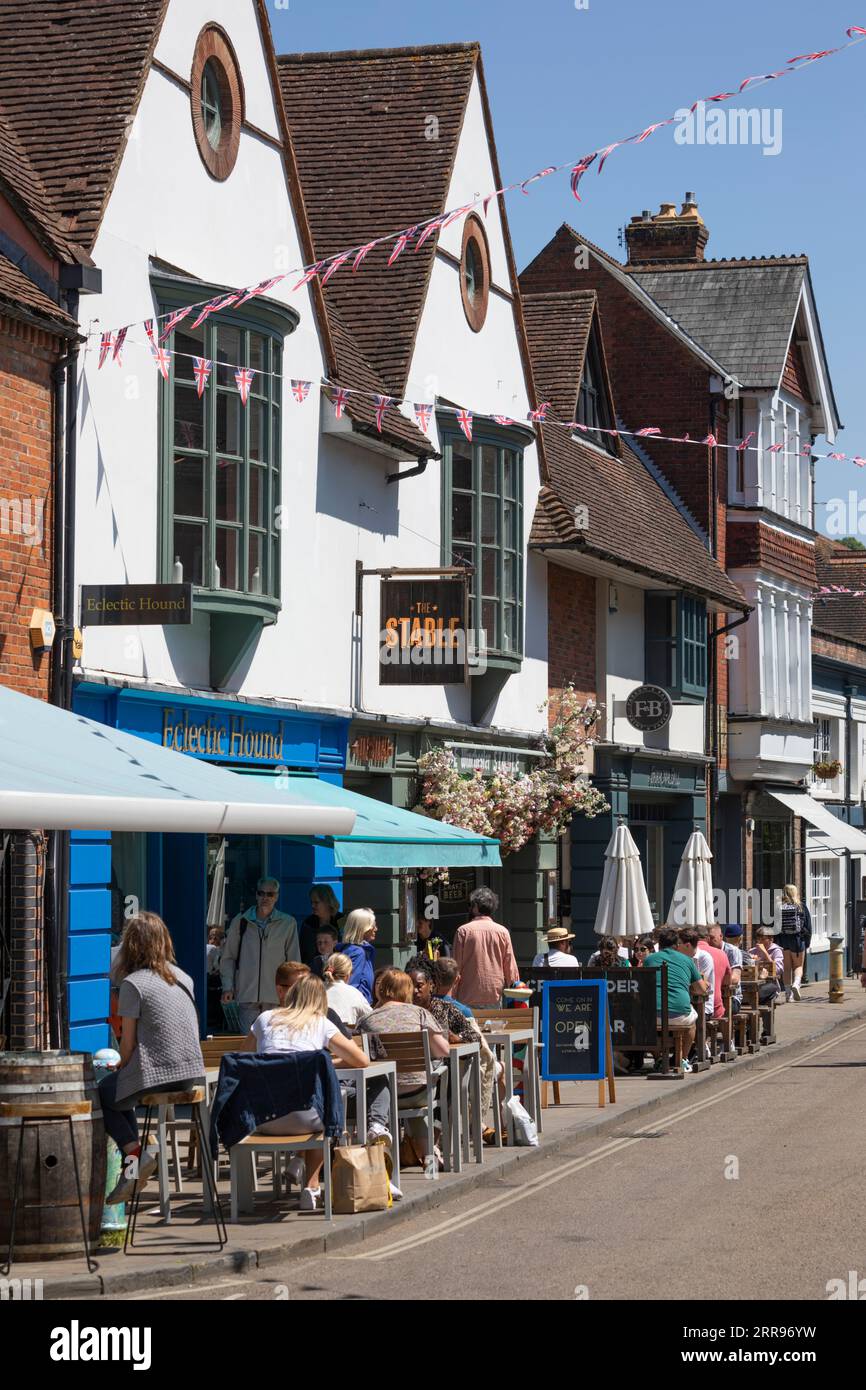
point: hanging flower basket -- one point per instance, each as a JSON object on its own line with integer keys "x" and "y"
{"x": 827, "y": 771}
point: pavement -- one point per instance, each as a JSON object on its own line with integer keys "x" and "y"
{"x": 183, "y": 1256}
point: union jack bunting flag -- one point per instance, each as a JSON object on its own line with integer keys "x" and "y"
{"x": 335, "y": 266}
{"x": 578, "y": 172}
{"x": 244, "y": 378}
{"x": 467, "y": 207}
{"x": 647, "y": 429}
{"x": 423, "y": 414}
{"x": 775, "y": 448}
{"x": 843, "y": 457}
{"x": 464, "y": 420}
{"x": 710, "y": 440}
{"x": 428, "y": 231}
{"x": 859, "y": 462}
{"x": 744, "y": 443}
{"x": 172, "y": 321}
{"x": 201, "y": 367}
{"x": 340, "y": 397}
{"x": 489, "y": 199}
{"x": 855, "y": 29}
{"x": 162, "y": 358}
{"x": 261, "y": 288}
{"x": 540, "y": 412}
{"x": 542, "y": 174}
{"x": 638, "y": 139}
{"x": 402, "y": 242}
{"x": 148, "y": 328}
{"x": 206, "y": 309}
{"x": 382, "y": 403}
{"x": 118, "y": 344}
{"x": 812, "y": 57}
{"x": 806, "y": 451}
{"x": 503, "y": 419}
{"x": 308, "y": 275}
{"x": 106, "y": 343}
{"x": 579, "y": 426}
{"x": 608, "y": 150}
{"x": 362, "y": 255}
{"x": 301, "y": 390}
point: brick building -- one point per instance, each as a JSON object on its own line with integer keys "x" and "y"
{"x": 729, "y": 350}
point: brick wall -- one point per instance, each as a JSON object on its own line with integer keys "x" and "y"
{"x": 837, "y": 649}
{"x": 571, "y": 632}
{"x": 26, "y": 424}
{"x": 752, "y": 545}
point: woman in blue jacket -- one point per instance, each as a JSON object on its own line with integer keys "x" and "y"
{"x": 359, "y": 933}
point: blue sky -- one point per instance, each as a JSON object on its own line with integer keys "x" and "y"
{"x": 564, "y": 80}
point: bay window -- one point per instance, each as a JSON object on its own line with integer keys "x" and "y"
{"x": 675, "y": 644}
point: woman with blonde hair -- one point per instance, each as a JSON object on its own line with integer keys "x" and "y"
{"x": 346, "y": 1001}
{"x": 794, "y": 937}
{"x": 325, "y": 913}
{"x": 359, "y": 933}
{"x": 159, "y": 1040}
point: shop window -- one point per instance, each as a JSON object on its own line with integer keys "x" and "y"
{"x": 593, "y": 402}
{"x": 772, "y": 854}
{"x": 675, "y": 644}
{"x": 821, "y": 896}
{"x": 483, "y": 526}
{"x": 221, "y": 459}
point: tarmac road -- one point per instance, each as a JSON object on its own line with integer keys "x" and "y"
{"x": 753, "y": 1191}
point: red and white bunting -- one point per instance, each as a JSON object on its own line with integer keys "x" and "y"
{"x": 148, "y": 328}
{"x": 340, "y": 398}
{"x": 362, "y": 255}
{"x": 503, "y": 419}
{"x": 647, "y": 430}
{"x": 300, "y": 390}
{"x": 118, "y": 345}
{"x": 382, "y": 403}
{"x": 578, "y": 172}
{"x": 458, "y": 212}
{"x": 775, "y": 448}
{"x": 710, "y": 440}
{"x": 172, "y": 321}
{"x": 855, "y": 29}
{"x": 539, "y": 413}
{"x": 744, "y": 443}
{"x": 263, "y": 287}
{"x": 308, "y": 275}
{"x": 464, "y": 420}
{"x": 244, "y": 378}
{"x": 423, "y": 414}
{"x": 542, "y": 174}
{"x": 402, "y": 242}
{"x": 162, "y": 358}
{"x": 205, "y": 311}
{"x": 335, "y": 266}
{"x": 861, "y": 463}
{"x": 106, "y": 343}
{"x": 428, "y": 232}
{"x": 201, "y": 367}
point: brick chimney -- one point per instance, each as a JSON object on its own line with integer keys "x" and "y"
{"x": 668, "y": 236}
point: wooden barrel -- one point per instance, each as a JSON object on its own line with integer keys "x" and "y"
{"x": 52, "y": 1230}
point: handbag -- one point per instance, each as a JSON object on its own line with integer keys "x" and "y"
{"x": 359, "y": 1179}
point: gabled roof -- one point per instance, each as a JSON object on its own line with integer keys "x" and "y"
{"x": 71, "y": 75}
{"x": 841, "y": 615}
{"x": 742, "y": 312}
{"x": 23, "y": 188}
{"x": 352, "y": 369}
{"x": 631, "y": 521}
{"x": 20, "y": 298}
{"x": 357, "y": 120}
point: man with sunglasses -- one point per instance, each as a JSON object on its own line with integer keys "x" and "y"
{"x": 258, "y": 941}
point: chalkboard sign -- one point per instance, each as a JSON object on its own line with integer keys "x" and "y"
{"x": 631, "y": 1001}
{"x": 573, "y": 1023}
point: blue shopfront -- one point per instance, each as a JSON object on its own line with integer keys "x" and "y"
{"x": 193, "y": 881}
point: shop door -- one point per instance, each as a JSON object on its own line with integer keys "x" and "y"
{"x": 184, "y": 897}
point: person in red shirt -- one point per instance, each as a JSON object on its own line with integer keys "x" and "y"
{"x": 484, "y": 954}
{"x": 712, "y": 941}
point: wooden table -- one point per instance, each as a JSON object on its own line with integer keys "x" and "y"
{"x": 456, "y": 1122}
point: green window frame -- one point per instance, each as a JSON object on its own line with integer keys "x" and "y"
{"x": 220, "y": 460}
{"x": 675, "y": 644}
{"x": 482, "y": 525}
{"x": 593, "y": 406}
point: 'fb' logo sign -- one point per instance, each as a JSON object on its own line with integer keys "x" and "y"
{"x": 649, "y": 707}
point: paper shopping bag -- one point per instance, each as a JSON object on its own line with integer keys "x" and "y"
{"x": 359, "y": 1179}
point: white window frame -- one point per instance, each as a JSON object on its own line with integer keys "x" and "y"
{"x": 823, "y": 875}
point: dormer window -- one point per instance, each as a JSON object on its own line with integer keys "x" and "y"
{"x": 593, "y": 404}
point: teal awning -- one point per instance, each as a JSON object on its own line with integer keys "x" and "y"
{"x": 385, "y": 837}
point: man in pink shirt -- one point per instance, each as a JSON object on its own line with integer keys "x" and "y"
{"x": 484, "y": 955}
{"x": 712, "y": 942}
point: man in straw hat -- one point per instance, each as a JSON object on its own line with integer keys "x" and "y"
{"x": 559, "y": 950}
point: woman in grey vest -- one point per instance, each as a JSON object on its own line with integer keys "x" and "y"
{"x": 159, "y": 1042}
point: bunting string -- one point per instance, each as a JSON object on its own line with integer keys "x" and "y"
{"x": 401, "y": 238}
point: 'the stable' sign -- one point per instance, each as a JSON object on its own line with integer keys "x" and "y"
{"x": 423, "y": 634}
{"x": 573, "y": 1027}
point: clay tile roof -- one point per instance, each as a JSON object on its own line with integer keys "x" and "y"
{"x": 354, "y": 370}
{"x": 24, "y": 189}
{"x": 21, "y": 298}
{"x": 70, "y": 79}
{"x": 631, "y": 521}
{"x": 358, "y": 121}
{"x": 557, "y": 325}
{"x": 841, "y": 615}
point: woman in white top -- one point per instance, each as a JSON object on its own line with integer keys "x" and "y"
{"x": 302, "y": 1025}
{"x": 347, "y": 1002}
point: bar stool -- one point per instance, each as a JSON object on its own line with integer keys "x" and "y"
{"x": 195, "y": 1098}
{"x": 40, "y": 1114}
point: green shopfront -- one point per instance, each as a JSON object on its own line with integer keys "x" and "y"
{"x": 662, "y": 799}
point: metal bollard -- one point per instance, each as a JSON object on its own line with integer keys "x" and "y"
{"x": 837, "y": 955}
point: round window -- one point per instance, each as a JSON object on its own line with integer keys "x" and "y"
{"x": 474, "y": 273}
{"x": 216, "y": 95}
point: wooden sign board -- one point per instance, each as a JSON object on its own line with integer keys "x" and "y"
{"x": 573, "y": 1029}
{"x": 631, "y": 1001}
{"x": 122, "y": 605}
{"x": 423, "y": 632}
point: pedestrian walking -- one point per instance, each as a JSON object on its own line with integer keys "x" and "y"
{"x": 794, "y": 938}
{"x": 484, "y": 954}
{"x": 258, "y": 941}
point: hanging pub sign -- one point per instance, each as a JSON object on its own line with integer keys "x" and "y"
{"x": 135, "y": 605}
{"x": 422, "y": 638}
{"x": 649, "y": 708}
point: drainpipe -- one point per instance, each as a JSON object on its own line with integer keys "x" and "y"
{"x": 851, "y": 886}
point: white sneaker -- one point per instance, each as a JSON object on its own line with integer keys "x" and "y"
{"x": 375, "y": 1132}
{"x": 311, "y": 1198}
{"x": 687, "y": 1066}
{"x": 130, "y": 1177}
{"x": 795, "y": 990}
{"x": 396, "y": 1194}
{"x": 297, "y": 1169}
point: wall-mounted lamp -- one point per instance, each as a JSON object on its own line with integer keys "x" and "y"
{"x": 750, "y": 826}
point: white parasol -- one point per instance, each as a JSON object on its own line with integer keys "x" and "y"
{"x": 623, "y": 908}
{"x": 692, "y": 902}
